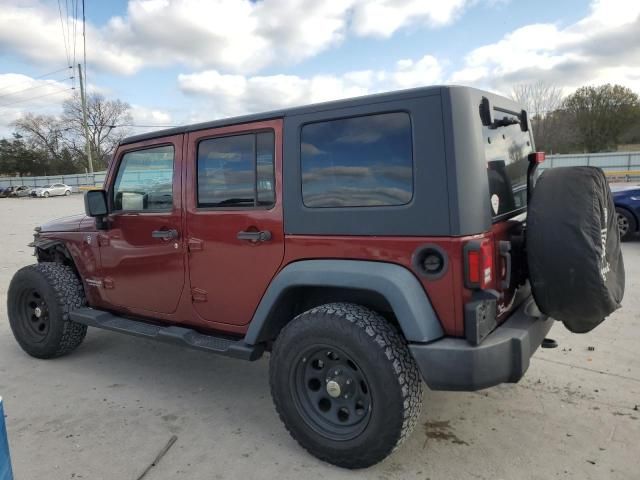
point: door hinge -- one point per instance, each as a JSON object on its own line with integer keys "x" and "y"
{"x": 195, "y": 245}
{"x": 198, "y": 295}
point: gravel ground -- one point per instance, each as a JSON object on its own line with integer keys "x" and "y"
{"x": 105, "y": 411}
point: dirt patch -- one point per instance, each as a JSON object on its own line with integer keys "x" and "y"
{"x": 441, "y": 430}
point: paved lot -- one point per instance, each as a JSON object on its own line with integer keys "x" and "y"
{"x": 105, "y": 411}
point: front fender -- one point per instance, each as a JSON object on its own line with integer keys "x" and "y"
{"x": 400, "y": 288}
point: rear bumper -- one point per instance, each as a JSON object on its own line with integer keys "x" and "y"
{"x": 454, "y": 364}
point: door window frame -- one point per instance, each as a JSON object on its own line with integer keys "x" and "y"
{"x": 175, "y": 141}
{"x": 193, "y": 140}
{"x": 253, "y": 132}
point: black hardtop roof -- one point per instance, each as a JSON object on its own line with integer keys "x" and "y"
{"x": 313, "y": 108}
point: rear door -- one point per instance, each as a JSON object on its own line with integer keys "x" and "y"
{"x": 234, "y": 219}
{"x": 506, "y": 148}
{"x": 142, "y": 252}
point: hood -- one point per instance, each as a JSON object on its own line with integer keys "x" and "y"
{"x": 64, "y": 224}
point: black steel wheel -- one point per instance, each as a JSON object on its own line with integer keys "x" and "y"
{"x": 345, "y": 384}
{"x": 33, "y": 314}
{"x": 38, "y": 303}
{"x": 331, "y": 392}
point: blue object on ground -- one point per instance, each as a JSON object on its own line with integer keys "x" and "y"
{"x": 5, "y": 459}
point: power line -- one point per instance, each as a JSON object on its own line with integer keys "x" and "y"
{"x": 39, "y": 96}
{"x": 36, "y": 86}
{"x": 37, "y": 78}
{"x": 75, "y": 35}
{"x": 84, "y": 44}
{"x": 64, "y": 37}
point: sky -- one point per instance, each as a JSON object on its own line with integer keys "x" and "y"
{"x": 184, "y": 61}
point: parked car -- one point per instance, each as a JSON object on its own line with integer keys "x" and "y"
{"x": 368, "y": 244}
{"x": 6, "y": 192}
{"x": 627, "y": 201}
{"x": 22, "y": 191}
{"x": 51, "y": 190}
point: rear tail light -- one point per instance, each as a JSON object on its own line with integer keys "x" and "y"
{"x": 478, "y": 261}
{"x": 536, "y": 157}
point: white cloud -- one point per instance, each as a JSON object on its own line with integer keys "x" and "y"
{"x": 237, "y": 94}
{"x": 241, "y": 36}
{"x": 149, "y": 116}
{"x": 384, "y": 17}
{"x": 602, "y": 47}
{"x": 19, "y": 93}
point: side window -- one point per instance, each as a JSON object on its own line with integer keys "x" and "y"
{"x": 236, "y": 171}
{"x": 145, "y": 180}
{"x": 357, "y": 162}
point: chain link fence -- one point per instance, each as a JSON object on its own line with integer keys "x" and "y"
{"x": 74, "y": 180}
{"x": 618, "y": 166}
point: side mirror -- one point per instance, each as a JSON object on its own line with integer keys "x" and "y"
{"x": 95, "y": 205}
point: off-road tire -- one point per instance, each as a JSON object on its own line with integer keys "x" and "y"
{"x": 630, "y": 224}
{"x": 383, "y": 356}
{"x": 61, "y": 291}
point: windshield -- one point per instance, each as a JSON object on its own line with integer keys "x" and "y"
{"x": 506, "y": 149}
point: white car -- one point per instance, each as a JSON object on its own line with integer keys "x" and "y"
{"x": 51, "y": 190}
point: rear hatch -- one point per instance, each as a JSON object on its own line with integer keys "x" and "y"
{"x": 507, "y": 142}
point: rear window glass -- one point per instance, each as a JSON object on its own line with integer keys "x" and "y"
{"x": 357, "y": 162}
{"x": 506, "y": 149}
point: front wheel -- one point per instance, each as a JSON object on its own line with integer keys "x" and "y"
{"x": 45, "y": 194}
{"x": 345, "y": 384}
{"x": 39, "y": 300}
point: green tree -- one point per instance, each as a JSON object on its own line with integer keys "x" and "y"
{"x": 602, "y": 115}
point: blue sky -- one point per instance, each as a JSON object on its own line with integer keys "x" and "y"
{"x": 179, "y": 61}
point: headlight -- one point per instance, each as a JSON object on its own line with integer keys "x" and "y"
{"x": 635, "y": 199}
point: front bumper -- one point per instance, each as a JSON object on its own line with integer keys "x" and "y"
{"x": 503, "y": 356}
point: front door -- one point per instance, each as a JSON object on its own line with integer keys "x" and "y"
{"x": 234, "y": 219}
{"x": 142, "y": 252}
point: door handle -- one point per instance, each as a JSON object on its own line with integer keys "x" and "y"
{"x": 165, "y": 234}
{"x": 257, "y": 236}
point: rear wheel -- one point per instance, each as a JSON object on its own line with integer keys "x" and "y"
{"x": 345, "y": 384}
{"x": 626, "y": 223}
{"x": 39, "y": 300}
{"x": 67, "y": 193}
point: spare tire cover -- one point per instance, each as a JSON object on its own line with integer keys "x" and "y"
{"x": 573, "y": 247}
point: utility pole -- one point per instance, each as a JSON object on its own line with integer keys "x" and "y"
{"x": 84, "y": 119}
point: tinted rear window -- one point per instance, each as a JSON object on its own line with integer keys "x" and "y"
{"x": 357, "y": 162}
{"x": 506, "y": 149}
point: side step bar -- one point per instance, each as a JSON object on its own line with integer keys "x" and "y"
{"x": 184, "y": 337}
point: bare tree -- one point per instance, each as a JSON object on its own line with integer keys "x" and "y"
{"x": 42, "y": 132}
{"x": 540, "y": 100}
{"x": 107, "y": 121}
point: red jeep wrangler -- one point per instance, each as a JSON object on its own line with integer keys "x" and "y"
{"x": 367, "y": 244}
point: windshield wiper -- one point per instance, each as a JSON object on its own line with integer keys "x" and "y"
{"x": 504, "y": 122}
